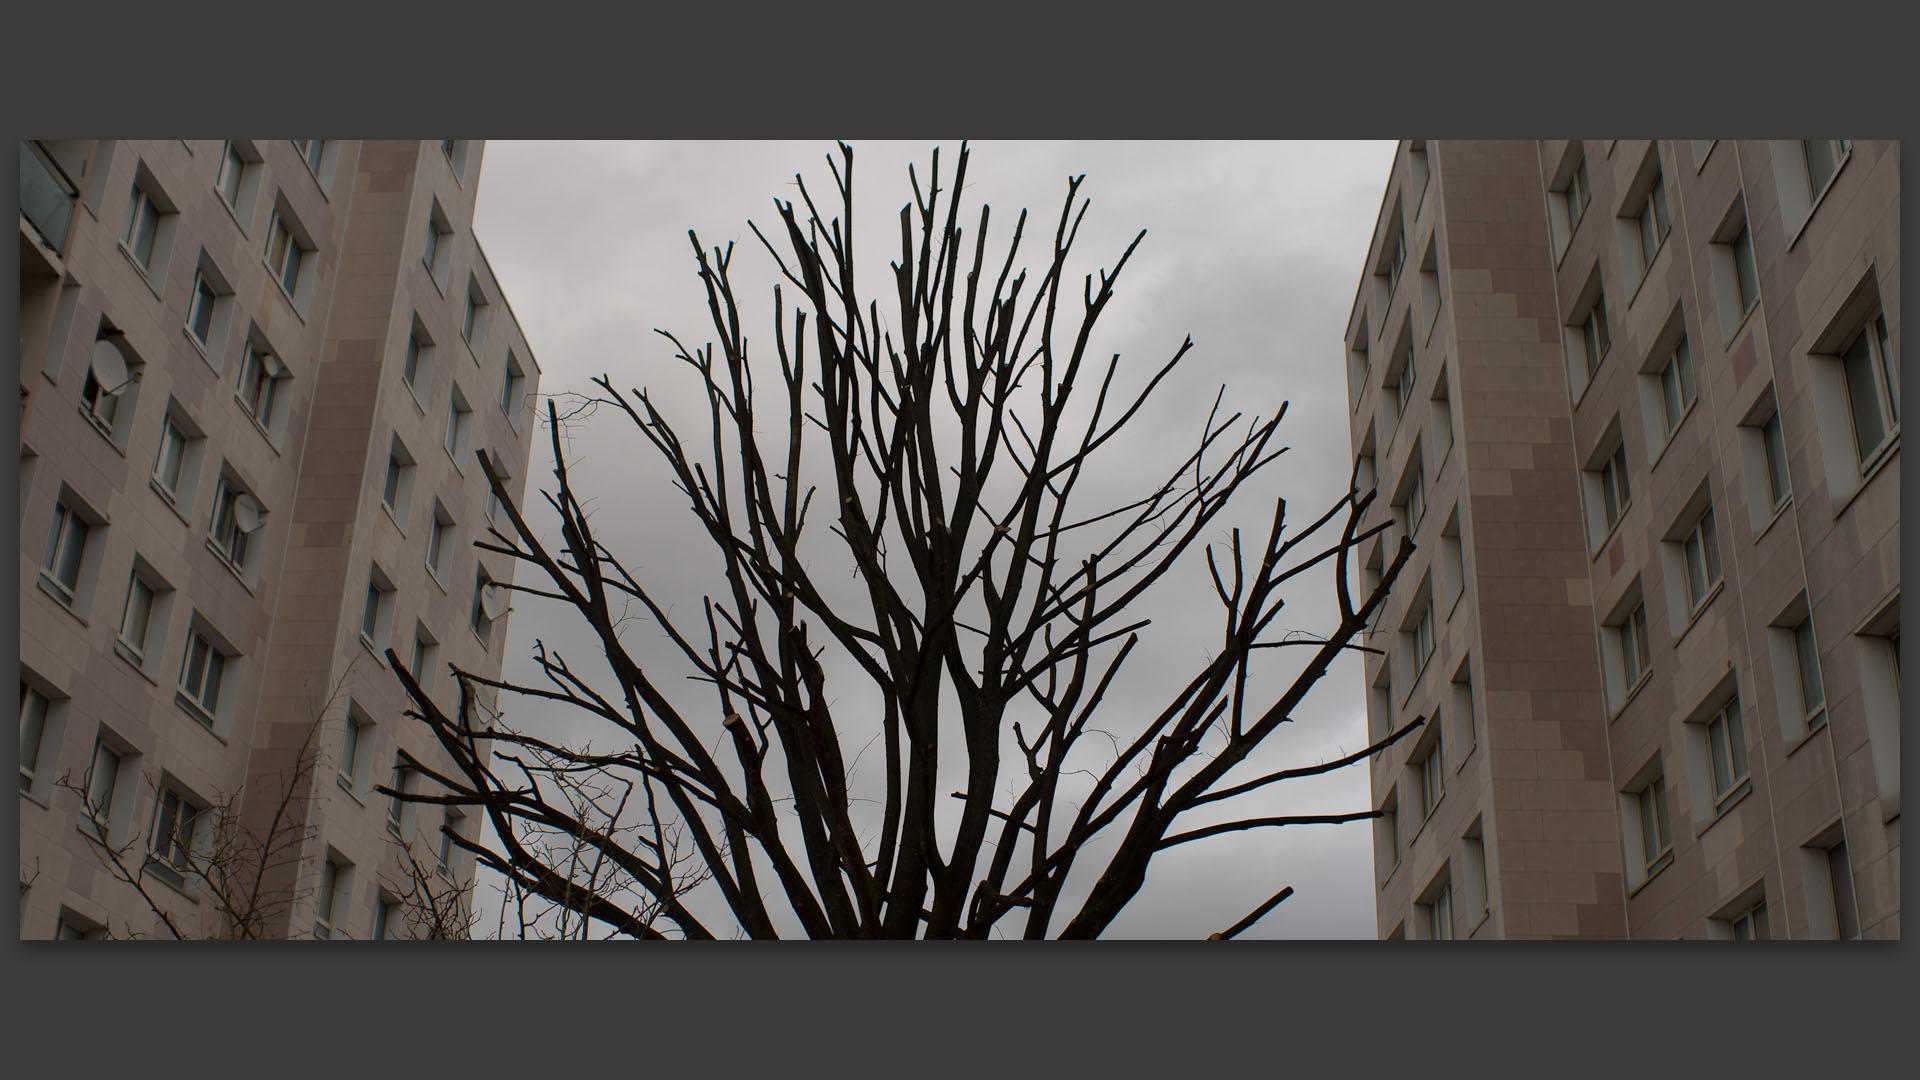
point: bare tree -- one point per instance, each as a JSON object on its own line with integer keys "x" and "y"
{"x": 982, "y": 598}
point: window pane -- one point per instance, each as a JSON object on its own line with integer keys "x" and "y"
{"x": 1864, "y": 396}
{"x": 133, "y": 620}
{"x": 1812, "y": 695}
{"x": 1889, "y": 365}
{"x": 106, "y": 770}
{"x": 1736, "y": 739}
{"x": 1776, "y": 458}
{"x": 33, "y": 725}
{"x": 1717, "y": 751}
{"x": 144, "y": 232}
{"x": 216, "y": 668}
{"x": 1749, "y": 278}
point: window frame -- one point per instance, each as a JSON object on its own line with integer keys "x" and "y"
{"x": 1701, "y": 539}
{"x": 1728, "y": 768}
{"x": 202, "y": 683}
{"x": 66, "y": 554}
{"x": 1878, "y": 373}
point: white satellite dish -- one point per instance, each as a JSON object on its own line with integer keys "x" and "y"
{"x": 109, "y": 367}
{"x": 247, "y": 514}
{"x": 493, "y": 601}
{"x": 275, "y": 369}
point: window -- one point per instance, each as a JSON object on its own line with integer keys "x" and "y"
{"x": 145, "y": 234}
{"x": 1763, "y": 459}
{"x": 386, "y": 917}
{"x": 444, "y": 855}
{"x": 1876, "y": 649}
{"x": 378, "y": 614}
{"x": 1700, "y": 556}
{"x": 479, "y": 620}
{"x": 473, "y": 325}
{"x": 238, "y": 179}
{"x": 1749, "y": 925}
{"x": 1430, "y": 773}
{"x": 203, "y": 672}
{"x": 263, "y": 381}
{"x": 1380, "y": 702}
{"x": 1651, "y": 224}
{"x": 74, "y": 927}
{"x": 1419, "y": 634}
{"x": 459, "y": 424}
{"x": 200, "y": 309}
{"x": 1676, "y": 386}
{"x": 1650, "y": 812}
{"x": 1436, "y": 913}
{"x": 1386, "y": 837}
{"x": 354, "y": 743}
{"x": 1823, "y": 157}
{"x": 331, "y": 898}
{"x": 1403, "y": 380}
{"x": 103, "y": 785}
{"x": 1833, "y": 912}
{"x": 396, "y": 806}
{"x": 1609, "y": 491}
{"x": 1453, "y": 570}
{"x": 237, "y": 516}
{"x": 1594, "y": 337}
{"x": 437, "y": 254}
{"x": 397, "y": 493}
{"x": 1726, "y": 752}
{"x": 1430, "y": 288}
{"x": 1736, "y": 276}
{"x": 512, "y": 389}
{"x": 1460, "y": 708}
{"x": 421, "y": 663}
{"x": 437, "y": 538}
{"x": 1393, "y": 257}
{"x": 1568, "y": 196}
{"x": 1473, "y": 858}
{"x": 36, "y": 710}
{"x": 1633, "y": 646}
{"x": 312, "y": 151}
{"x": 171, "y": 843}
{"x": 493, "y": 497}
{"x": 1873, "y": 388}
{"x": 456, "y": 153}
{"x": 144, "y": 610}
{"x": 1813, "y": 695}
{"x": 1441, "y": 417}
{"x": 1775, "y": 448}
{"x": 289, "y": 256}
{"x": 66, "y": 556}
{"x": 1358, "y": 365}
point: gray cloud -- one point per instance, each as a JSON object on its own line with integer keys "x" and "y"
{"x": 1254, "y": 249}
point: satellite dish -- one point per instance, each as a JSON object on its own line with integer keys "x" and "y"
{"x": 247, "y": 514}
{"x": 109, "y": 367}
{"x": 275, "y": 369}
{"x": 493, "y": 601}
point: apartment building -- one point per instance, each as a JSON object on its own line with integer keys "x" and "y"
{"x": 1637, "y": 405}
{"x": 255, "y": 376}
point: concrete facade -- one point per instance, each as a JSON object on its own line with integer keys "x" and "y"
{"x": 290, "y": 381}
{"x": 1652, "y": 421}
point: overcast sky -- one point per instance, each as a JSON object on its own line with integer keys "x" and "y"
{"x": 1253, "y": 248}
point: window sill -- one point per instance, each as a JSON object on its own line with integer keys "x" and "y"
{"x": 457, "y": 467}
{"x": 391, "y": 516}
{"x": 201, "y": 348}
{"x": 1454, "y": 604}
{"x": 101, "y": 428}
{"x": 434, "y": 275}
{"x": 1685, "y": 415}
{"x": 315, "y": 173}
{"x": 170, "y": 877}
{"x": 474, "y": 349}
{"x": 1726, "y": 804}
{"x": 511, "y": 424}
{"x": 1647, "y": 272}
{"x": 1612, "y": 531}
{"x": 1728, "y": 337}
{"x": 125, "y": 652}
{"x": 1888, "y": 449}
{"x": 232, "y": 210}
{"x": 1480, "y": 922}
{"x": 1633, "y": 692}
{"x": 221, "y": 557}
{"x": 434, "y": 576}
{"x": 35, "y": 797}
{"x": 367, "y": 644}
{"x": 346, "y": 785}
{"x": 200, "y": 715}
{"x": 1806, "y": 737}
{"x": 253, "y": 419}
{"x": 138, "y": 269}
{"x": 171, "y": 500}
{"x": 68, "y": 603}
{"x": 1653, "y": 871}
{"x": 1693, "y": 617}
{"x": 484, "y": 647}
{"x": 1422, "y": 827}
{"x": 1466, "y": 757}
{"x": 1391, "y": 870}
{"x": 1778, "y": 512}
{"x": 1700, "y": 164}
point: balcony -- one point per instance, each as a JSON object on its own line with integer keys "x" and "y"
{"x": 47, "y": 195}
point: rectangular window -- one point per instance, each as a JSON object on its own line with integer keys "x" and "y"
{"x": 1774, "y": 445}
{"x": 1840, "y": 874}
{"x": 34, "y": 708}
{"x": 174, "y": 822}
{"x": 437, "y": 538}
{"x": 1386, "y": 837}
{"x": 236, "y": 516}
{"x": 1823, "y": 160}
{"x": 1594, "y": 336}
{"x": 473, "y": 324}
{"x": 1701, "y": 554}
{"x": 1813, "y": 695}
{"x": 232, "y": 167}
{"x": 386, "y": 918}
{"x": 202, "y": 670}
{"x": 350, "y": 741}
{"x": 103, "y": 780}
{"x": 378, "y": 614}
{"x": 66, "y": 551}
{"x": 512, "y": 387}
{"x": 396, "y": 806}
{"x": 421, "y": 663}
{"x": 1432, "y": 779}
{"x": 1750, "y": 925}
{"x": 479, "y": 620}
{"x": 1578, "y": 194}
{"x": 1615, "y": 493}
{"x": 459, "y": 422}
{"x": 1651, "y": 223}
{"x": 285, "y": 254}
{"x": 1403, "y": 388}
{"x": 99, "y": 404}
{"x": 311, "y": 151}
{"x": 1873, "y": 387}
{"x": 1423, "y": 638}
{"x": 1440, "y": 915}
{"x": 1416, "y": 499}
{"x": 200, "y": 310}
{"x": 143, "y": 227}
{"x": 136, "y": 615}
{"x": 1656, "y": 839}
{"x": 1676, "y": 386}
{"x": 1634, "y": 655}
{"x": 172, "y": 458}
{"x": 330, "y": 899}
{"x": 445, "y": 853}
{"x": 261, "y": 378}
{"x": 1726, "y": 751}
{"x": 493, "y": 509}
{"x": 416, "y": 368}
